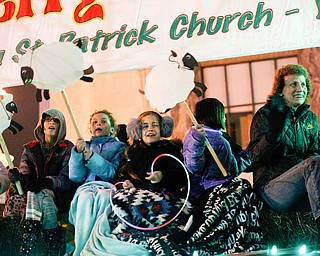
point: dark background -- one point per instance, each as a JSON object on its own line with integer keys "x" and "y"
{"x": 27, "y": 116}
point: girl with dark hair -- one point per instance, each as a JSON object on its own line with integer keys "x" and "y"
{"x": 211, "y": 112}
{"x": 228, "y": 202}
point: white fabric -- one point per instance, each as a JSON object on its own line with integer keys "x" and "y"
{"x": 135, "y": 34}
{"x": 55, "y": 65}
{"x": 168, "y": 84}
{"x": 4, "y": 180}
{"x": 5, "y": 116}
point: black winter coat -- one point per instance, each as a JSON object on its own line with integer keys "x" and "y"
{"x": 141, "y": 158}
{"x": 37, "y": 162}
{"x": 299, "y": 141}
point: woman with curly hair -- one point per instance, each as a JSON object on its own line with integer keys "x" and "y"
{"x": 284, "y": 146}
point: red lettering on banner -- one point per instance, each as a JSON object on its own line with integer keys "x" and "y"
{"x": 52, "y": 6}
{"x": 88, "y": 10}
{"x": 25, "y": 9}
{"x": 9, "y": 8}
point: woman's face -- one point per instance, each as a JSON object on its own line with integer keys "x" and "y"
{"x": 150, "y": 129}
{"x": 295, "y": 90}
{"x": 100, "y": 125}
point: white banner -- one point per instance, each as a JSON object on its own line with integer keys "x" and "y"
{"x": 121, "y": 35}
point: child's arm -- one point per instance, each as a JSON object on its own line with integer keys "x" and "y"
{"x": 106, "y": 168}
{"x": 77, "y": 168}
{"x": 193, "y": 149}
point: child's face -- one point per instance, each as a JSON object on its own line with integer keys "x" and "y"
{"x": 100, "y": 125}
{"x": 51, "y": 126}
{"x": 150, "y": 129}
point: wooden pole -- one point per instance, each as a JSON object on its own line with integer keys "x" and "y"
{"x": 214, "y": 155}
{"x": 7, "y": 155}
{"x": 71, "y": 113}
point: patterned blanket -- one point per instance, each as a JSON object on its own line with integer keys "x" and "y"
{"x": 227, "y": 223}
{"x": 137, "y": 210}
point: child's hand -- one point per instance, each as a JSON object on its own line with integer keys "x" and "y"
{"x": 87, "y": 154}
{"x": 127, "y": 184}
{"x": 155, "y": 177}
{"x": 14, "y": 175}
{"x": 200, "y": 129}
{"x": 80, "y": 145}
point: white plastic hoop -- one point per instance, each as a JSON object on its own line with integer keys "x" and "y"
{"x": 169, "y": 221}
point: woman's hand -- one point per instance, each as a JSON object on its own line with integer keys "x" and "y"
{"x": 155, "y": 177}
{"x": 80, "y": 145}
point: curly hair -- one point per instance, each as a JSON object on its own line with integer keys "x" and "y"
{"x": 290, "y": 69}
{"x": 113, "y": 123}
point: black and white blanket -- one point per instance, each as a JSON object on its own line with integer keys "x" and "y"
{"x": 229, "y": 221}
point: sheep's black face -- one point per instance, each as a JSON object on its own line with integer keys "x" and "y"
{"x": 26, "y": 75}
{"x": 12, "y": 107}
